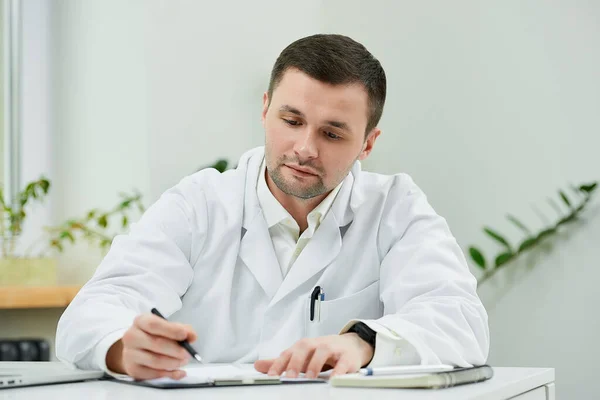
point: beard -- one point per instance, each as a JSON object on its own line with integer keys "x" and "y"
{"x": 296, "y": 186}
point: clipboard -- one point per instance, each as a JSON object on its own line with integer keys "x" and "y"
{"x": 217, "y": 375}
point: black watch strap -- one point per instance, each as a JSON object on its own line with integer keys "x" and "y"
{"x": 364, "y": 332}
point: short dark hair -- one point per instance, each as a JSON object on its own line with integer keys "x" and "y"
{"x": 338, "y": 60}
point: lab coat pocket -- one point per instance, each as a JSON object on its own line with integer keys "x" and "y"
{"x": 336, "y": 313}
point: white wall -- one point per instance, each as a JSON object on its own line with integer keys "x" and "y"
{"x": 208, "y": 66}
{"x": 101, "y": 129}
{"x": 491, "y": 107}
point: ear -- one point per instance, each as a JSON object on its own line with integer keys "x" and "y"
{"x": 369, "y": 143}
{"x": 265, "y": 107}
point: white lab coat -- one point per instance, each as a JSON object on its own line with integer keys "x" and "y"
{"x": 202, "y": 255}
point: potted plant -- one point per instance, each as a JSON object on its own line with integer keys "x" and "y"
{"x": 16, "y": 270}
{"x": 41, "y": 270}
{"x": 97, "y": 226}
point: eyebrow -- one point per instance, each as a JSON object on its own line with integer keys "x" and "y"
{"x": 335, "y": 124}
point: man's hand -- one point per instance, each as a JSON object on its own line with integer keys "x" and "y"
{"x": 149, "y": 349}
{"x": 344, "y": 353}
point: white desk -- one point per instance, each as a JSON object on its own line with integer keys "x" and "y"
{"x": 508, "y": 383}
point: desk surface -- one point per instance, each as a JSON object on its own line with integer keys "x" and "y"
{"x": 507, "y": 382}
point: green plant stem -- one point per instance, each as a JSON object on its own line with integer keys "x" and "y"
{"x": 489, "y": 273}
{"x": 3, "y": 233}
{"x": 68, "y": 230}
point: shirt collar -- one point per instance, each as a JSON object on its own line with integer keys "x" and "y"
{"x": 275, "y": 213}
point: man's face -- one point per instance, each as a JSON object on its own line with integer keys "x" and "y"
{"x": 314, "y": 132}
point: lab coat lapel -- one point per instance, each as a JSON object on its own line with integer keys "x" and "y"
{"x": 325, "y": 244}
{"x": 256, "y": 251}
{"x": 256, "y": 247}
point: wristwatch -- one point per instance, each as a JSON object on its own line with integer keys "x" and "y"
{"x": 364, "y": 332}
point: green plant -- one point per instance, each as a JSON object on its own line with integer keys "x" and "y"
{"x": 220, "y": 165}
{"x": 14, "y": 214}
{"x": 509, "y": 252}
{"x": 95, "y": 225}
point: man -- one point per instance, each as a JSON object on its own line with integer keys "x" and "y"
{"x": 296, "y": 260}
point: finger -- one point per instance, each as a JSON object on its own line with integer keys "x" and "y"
{"x": 263, "y": 365}
{"x": 280, "y": 363}
{"x": 157, "y": 326}
{"x": 153, "y": 360}
{"x": 191, "y": 334}
{"x": 136, "y": 338}
{"x": 301, "y": 354}
{"x": 320, "y": 356}
{"x": 141, "y": 372}
{"x": 160, "y": 345}
{"x": 343, "y": 366}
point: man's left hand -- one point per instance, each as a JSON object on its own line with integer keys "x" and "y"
{"x": 345, "y": 353}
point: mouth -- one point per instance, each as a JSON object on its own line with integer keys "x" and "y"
{"x": 301, "y": 170}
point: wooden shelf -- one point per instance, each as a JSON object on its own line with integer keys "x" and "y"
{"x": 36, "y": 296}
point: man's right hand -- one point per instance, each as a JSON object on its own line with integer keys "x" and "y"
{"x": 149, "y": 349}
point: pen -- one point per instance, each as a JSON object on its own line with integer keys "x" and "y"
{"x": 183, "y": 343}
{"x": 405, "y": 369}
{"x": 316, "y": 294}
{"x": 320, "y": 298}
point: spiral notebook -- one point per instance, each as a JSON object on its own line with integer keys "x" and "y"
{"x": 207, "y": 375}
{"x": 436, "y": 380}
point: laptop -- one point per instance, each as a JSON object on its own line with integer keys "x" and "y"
{"x": 21, "y": 373}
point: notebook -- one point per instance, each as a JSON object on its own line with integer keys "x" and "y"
{"x": 207, "y": 375}
{"x": 436, "y": 380}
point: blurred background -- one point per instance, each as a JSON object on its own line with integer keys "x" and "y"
{"x": 492, "y": 108}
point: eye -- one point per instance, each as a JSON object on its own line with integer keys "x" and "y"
{"x": 332, "y": 136}
{"x": 291, "y": 122}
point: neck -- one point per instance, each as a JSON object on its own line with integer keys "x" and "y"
{"x": 297, "y": 207}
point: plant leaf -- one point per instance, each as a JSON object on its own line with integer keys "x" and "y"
{"x": 518, "y": 223}
{"x": 56, "y": 244}
{"x": 221, "y": 165}
{"x": 565, "y": 198}
{"x": 477, "y": 257}
{"x": 67, "y": 235}
{"x": 588, "y": 188}
{"x": 125, "y": 221}
{"x": 496, "y": 236}
{"x": 545, "y": 232}
{"x": 503, "y": 258}
{"x": 45, "y": 185}
{"x": 103, "y": 221}
{"x": 527, "y": 243}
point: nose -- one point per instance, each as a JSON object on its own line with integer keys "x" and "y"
{"x": 306, "y": 146}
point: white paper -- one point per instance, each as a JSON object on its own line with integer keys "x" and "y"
{"x": 205, "y": 373}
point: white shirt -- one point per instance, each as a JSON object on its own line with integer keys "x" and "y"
{"x": 283, "y": 228}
